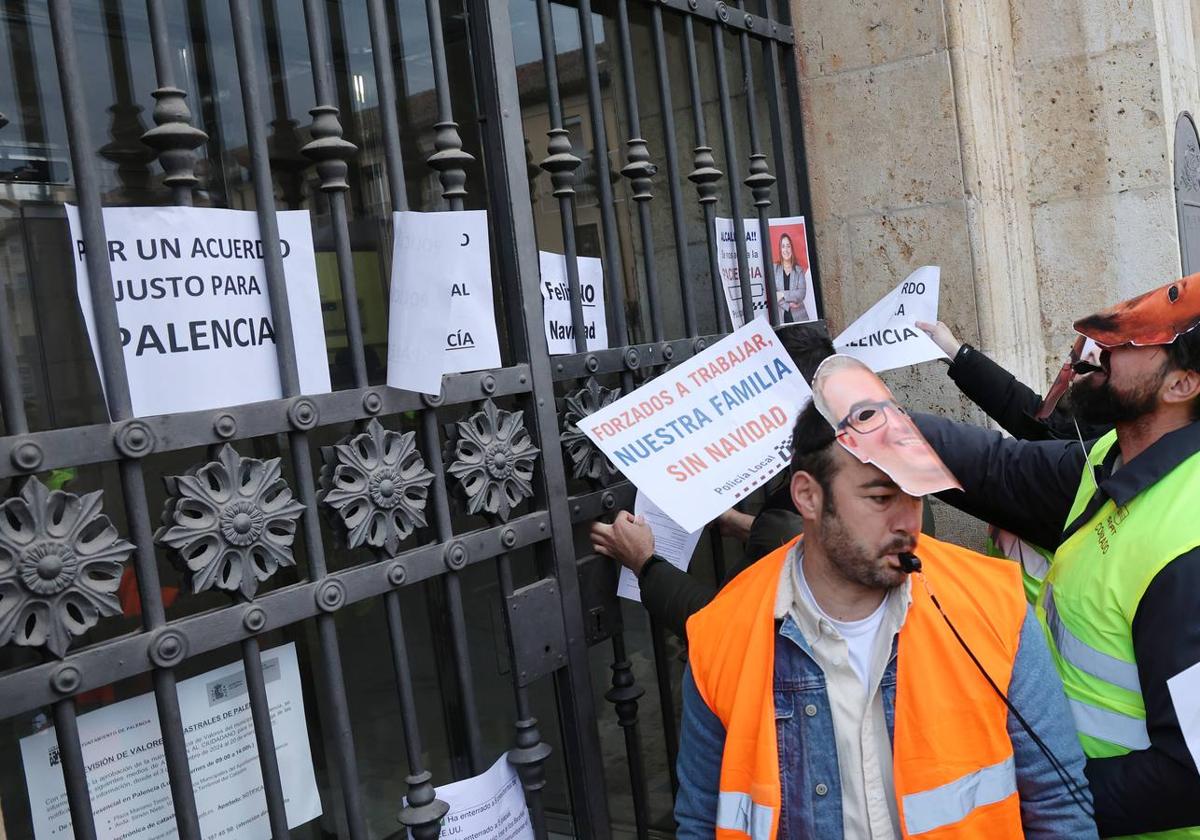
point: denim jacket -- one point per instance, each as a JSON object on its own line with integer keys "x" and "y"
{"x": 812, "y": 796}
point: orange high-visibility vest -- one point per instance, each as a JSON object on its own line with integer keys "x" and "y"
{"x": 952, "y": 757}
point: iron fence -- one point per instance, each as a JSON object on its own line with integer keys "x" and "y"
{"x": 557, "y": 606}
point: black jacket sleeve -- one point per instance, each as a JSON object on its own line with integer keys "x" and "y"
{"x": 1012, "y": 403}
{"x": 1026, "y": 487}
{"x": 1002, "y": 396}
{"x": 671, "y": 595}
{"x": 1157, "y": 788}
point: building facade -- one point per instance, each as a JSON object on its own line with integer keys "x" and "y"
{"x": 1033, "y": 150}
{"x": 1029, "y": 148}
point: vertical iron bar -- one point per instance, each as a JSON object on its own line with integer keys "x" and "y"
{"x": 640, "y": 177}
{"x": 531, "y": 752}
{"x": 330, "y": 152}
{"x": 203, "y": 38}
{"x": 705, "y": 176}
{"x": 771, "y": 52}
{"x": 561, "y": 163}
{"x": 673, "y": 189}
{"x": 430, "y": 442}
{"x": 624, "y": 696}
{"x": 66, "y": 730}
{"x": 454, "y": 598}
{"x": 613, "y": 267}
{"x": 66, "y": 733}
{"x": 121, "y": 408}
{"x": 424, "y": 811}
{"x": 12, "y": 401}
{"x": 174, "y": 136}
{"x": 639, "y": 170}
{"x": 623, "y": 685}
{"x": 662, "y": 670}
{"x": 449, "y": 161}
{"x": 264, "y": 196}
{"x": 385, "y": 83}
{"x": 490, "y": 31}
{"x": 341, "y": 57}
{"x": 760, "y": 179}
{"x": 264, "y": 735}
{"x": 731, "y": 164}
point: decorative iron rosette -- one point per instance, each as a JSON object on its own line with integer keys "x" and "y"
{"x": 587, "y": 461}
{"x": 493, "y": 460}
{"x": 61, "y": 562}
{"x": 231, "y": 522}
{"x": 377, "y": 484}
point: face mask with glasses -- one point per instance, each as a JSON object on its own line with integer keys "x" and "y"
{"x": 867, "y": 417}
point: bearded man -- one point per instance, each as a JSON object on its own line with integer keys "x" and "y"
{"x": 1122, "y": 516}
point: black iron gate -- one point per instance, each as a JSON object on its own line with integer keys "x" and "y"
{"x": 489, "y": 481}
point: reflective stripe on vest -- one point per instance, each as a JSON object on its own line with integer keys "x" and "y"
{"x": 1085, "y": 657}
{"x": 953, "y": 801}
{"x": 738, "y": 812}
{"x": 1114, "y": 727}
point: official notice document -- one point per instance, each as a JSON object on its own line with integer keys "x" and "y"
{"x": 674, "y": 544}
{"x": 127, "y": 771}
{"x": 490, "y": 806}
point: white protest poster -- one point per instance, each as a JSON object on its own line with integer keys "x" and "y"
{"x": 441, "y": 298}
{"x": 795, "y": 297}
{"x": 556, "y": 303}
{"x": 727, "y": 263}
{"x": 194, "y": 308}
{"x": 127, "y": 771}
{"x": 710, "y": 430}
{"x": 672, "y": 543}
{"x": 419, "y": 311}
{"x": 886, "y": 335}
{"x": 490, "y": 806}
{"x": 1185, "y": 697}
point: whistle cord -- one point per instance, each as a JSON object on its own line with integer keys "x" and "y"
{"x": 1072, "y": 788}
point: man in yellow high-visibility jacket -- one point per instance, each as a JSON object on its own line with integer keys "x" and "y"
{"x": 1119, "y": 604}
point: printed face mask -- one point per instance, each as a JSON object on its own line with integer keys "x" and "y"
{"x": 1083, "y": 358}
{"x": 1157, "y": 317}
{"x": 872, "y": 427}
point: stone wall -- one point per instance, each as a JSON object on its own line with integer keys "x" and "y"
{"x": 1023, "y": 145}
{"x": 1100, "y": 85}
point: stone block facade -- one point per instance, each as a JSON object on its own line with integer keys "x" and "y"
{"x": 1025, "y": 146}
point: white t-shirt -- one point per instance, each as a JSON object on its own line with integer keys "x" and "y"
{"x": 859, "y": 635}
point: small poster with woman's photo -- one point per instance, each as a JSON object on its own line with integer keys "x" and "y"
{"x": 793, "y": 275}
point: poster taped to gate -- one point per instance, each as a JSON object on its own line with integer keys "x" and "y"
{"x": 442, "y": 315}
{"x": 490, "y": 806}
{"x": 794, "y": 294}
{"x": 727, "y": 263}
{"x": 787, "y": 239}
{"x": 556, "y": 303}
{"x": 127, "y": 771}
{"x": 194, "y": 309}
{"x": 703, "y": 435}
